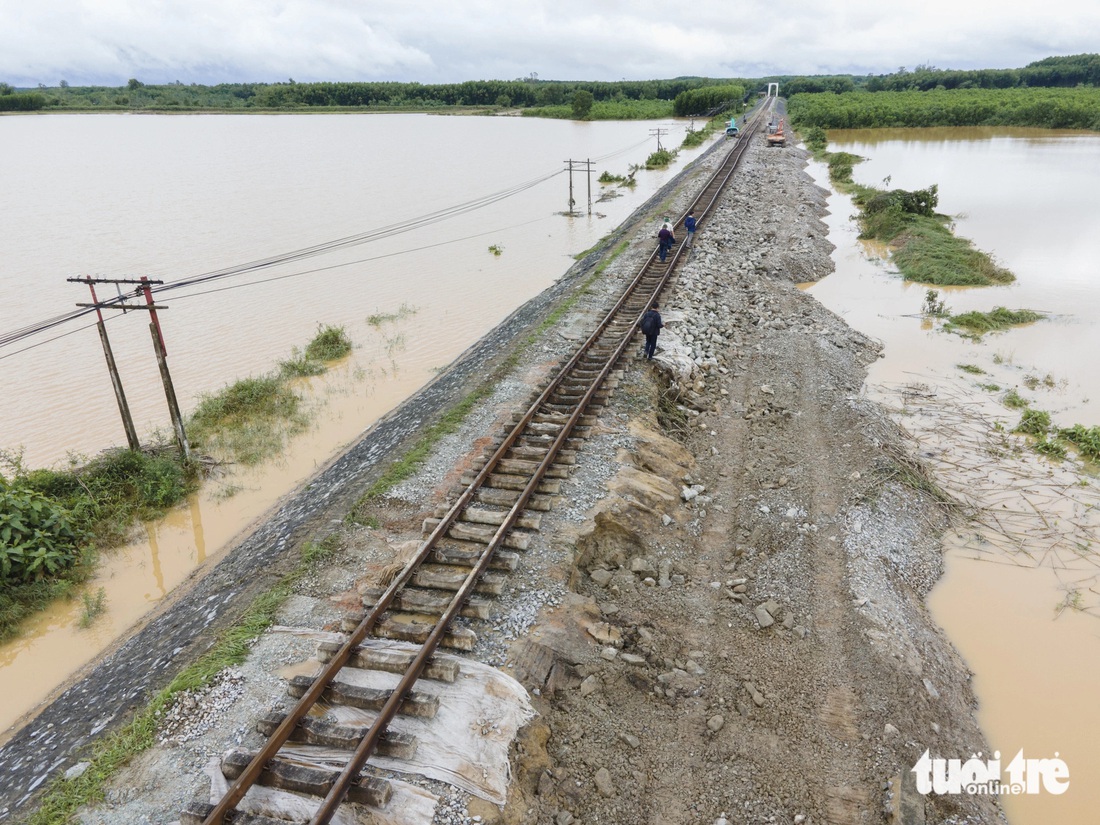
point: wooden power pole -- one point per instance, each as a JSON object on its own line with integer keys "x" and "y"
{"x": 143, "y": 285}
{"x": 587, "y": 164}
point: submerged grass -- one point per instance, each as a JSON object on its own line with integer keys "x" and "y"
{"x": 927, "y": 252}
{"x": 249, "y": 420}
{"x": 998, "y": 319}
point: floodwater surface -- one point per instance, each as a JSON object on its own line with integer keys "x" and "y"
{"x": 1021, "y": 594}
{"x": 398, "y": 213}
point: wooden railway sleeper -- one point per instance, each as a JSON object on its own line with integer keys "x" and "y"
{"x": 328, "y": 733}
{"x": 416, "y": 703}
{"x": 433, "y": 602}
{"x": 293, "y": 776}
{"x": 390, "y": 661}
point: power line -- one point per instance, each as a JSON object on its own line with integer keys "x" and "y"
{"x": 22, "y": 333}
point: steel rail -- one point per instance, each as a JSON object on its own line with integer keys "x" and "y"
{"x": 282, "y": 733}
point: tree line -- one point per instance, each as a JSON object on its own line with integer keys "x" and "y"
{"x": 520, "y": 93}
{"x": 1051, "y": 108}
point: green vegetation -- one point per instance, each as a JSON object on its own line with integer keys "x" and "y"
{"x": 990, "y": 387}
{"x": 251, "y": 419}
{"x": 64, "y": 796}
{"x": 1077, "y": 108}
{"x": 607, "y": 110}
{"x": 475, "y": 95}
{"x": 973, "y": 369}
{"x": 37, "y": 535}
{"x": 1033, "y": 422}
{"x": 379, "y": 318}
{"x": 660, "y": 159}
{"x": 496, "y": 250}
{"x": 329, "y": 344}
{"x": 1063, "y": 71}
{"x": 815, "y": 139}
{"x": 52, "y": 522}
{"x": 94, "y": 605}
{"x": 1013, "y": 400}
{"x": 10, "y": 102}
{"x": 582, "y": 104}
{"x": 998, "y": 319}
{"x": 933, "y": 305}
{"x": 923, "y": 247}
{"x": 1085, "y": 439}
{"x": 706, "y": 100}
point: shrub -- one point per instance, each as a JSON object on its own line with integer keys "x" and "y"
{"x": 815, "y": 139}
{"x": 37, "y": 535}
{"x": 659, "y": 159}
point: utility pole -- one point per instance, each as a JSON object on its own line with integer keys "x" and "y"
{"x": 658, "y": 133}
{"x": 112, "y": 368}
{"x": 162, "y": 362}
{"x": 587, "y": 164}
{"x": 143, "y": 285}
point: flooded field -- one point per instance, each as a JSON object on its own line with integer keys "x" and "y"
{"x": 415, "y": 202}
{"x": 1021, "y": 595}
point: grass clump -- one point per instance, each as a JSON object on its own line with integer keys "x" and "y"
{"x": 990, "y": 387}
{"x": 973, "y": 369}
{"x": 1050, "y": 447}
{"x": 926, "y": 251}
{"x": 1034, "y": 422}
{"x": 94, "y": 606}
{"x": 248, "y": 420}
{"x": 999, "y": 318}
{"x": 1014, "y": 400}
{"x": 329, "y": 344}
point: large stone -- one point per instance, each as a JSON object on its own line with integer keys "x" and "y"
{"x": 764, "y": 617}
{"x": 601, "y": 577}
{"x": 653, "y": 492}
{"x": 603, "y": 782}
{"x": 659, "y": 454}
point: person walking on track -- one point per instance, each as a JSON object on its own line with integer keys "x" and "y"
{"x": 665, "y": 239}
{"x": 651, "y": 327}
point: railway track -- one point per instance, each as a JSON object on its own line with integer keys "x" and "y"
{"x": 468, "y": 550}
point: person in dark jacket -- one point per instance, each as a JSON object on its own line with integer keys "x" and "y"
{"x": 665, "y": 239}
{"x": 651, "y": 327}
{"x": 689, "y": 225}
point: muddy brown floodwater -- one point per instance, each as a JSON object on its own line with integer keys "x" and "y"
{"x": 1020, "y": 597}
{"x": 190, "y": 195}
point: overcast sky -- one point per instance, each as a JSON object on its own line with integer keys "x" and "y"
{"x": 436, "y": 41}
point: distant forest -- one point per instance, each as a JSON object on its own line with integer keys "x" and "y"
{"x": 854, "y": 96}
